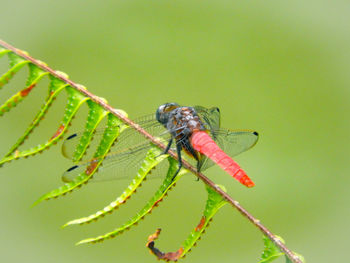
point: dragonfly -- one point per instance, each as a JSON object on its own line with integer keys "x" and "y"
{"x": 194, "y": 131}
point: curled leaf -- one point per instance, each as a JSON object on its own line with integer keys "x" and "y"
{"x": 169, "y": 256}
{"x": 214, "y": 203}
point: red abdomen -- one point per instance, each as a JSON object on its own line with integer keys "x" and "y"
{"x": 204, "y": 144}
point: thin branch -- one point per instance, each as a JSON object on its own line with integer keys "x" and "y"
{"x": 294, "y": 258}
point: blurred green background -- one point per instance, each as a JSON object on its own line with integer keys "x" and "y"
{"x": 281, "y": 68}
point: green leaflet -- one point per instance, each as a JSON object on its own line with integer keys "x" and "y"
{"x": 56, "y": 86}
{"x": 16, "y": 63}
{"x": 96, "y": 114}
{"x": 113, "y": 129}
{"x": 35, "y": 74}
{"x": 3, "y": 51}
{"x": 271, "y": 252}
{"x": 214, "y": 203}
{"x": 167, "y": 184}
{"x": 75, "y": 100}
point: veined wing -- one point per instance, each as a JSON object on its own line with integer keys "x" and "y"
{"x": 125, "y": 156}
{"x": 123, "y": 160}
{"x": 210, "y": 117}
{"x": 232, "y": 142}
{"x": 71, "y": 143}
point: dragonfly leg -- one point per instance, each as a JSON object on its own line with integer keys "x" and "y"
{"x": 178, "y": 150}
{"x": 198, "y": 169}
{"x": 167, "y": 148}
{"x": 189, "y": 149}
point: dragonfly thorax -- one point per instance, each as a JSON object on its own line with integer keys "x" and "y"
{"x": 184, "y": 121}
{"x": 179, "y": 121}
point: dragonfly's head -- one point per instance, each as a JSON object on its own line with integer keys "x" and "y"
{"x": 163, "y": 112}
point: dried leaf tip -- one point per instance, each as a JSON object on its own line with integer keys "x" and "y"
{"x": 169, "y": 256}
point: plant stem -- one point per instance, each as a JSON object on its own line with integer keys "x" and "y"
{"x": 294, "y": 258}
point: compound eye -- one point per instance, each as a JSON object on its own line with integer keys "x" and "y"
{"x": 170, "y": 106}
{"x": 161, "y": 108}
{"x": 164, "y": 110}
{"x": 161, "y": 112}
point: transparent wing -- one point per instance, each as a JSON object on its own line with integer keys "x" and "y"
{"x": 123, "y": 160}
{"x": 125, "y": 156}
{"x": 123, "y": 164}
{"x": 232, "y": 142}
{"x": 210, "y": 117}
{"x": 148, "y": 122}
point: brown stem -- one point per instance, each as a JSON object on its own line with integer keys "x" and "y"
{"x": 294, "y": 258}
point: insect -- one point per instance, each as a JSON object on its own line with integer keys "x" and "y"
{"x": 193, "y": 130}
